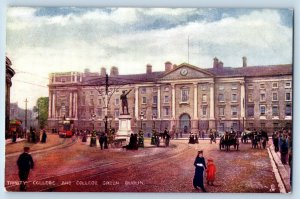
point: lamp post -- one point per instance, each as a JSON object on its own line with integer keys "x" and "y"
{"x": 93, "y": 120}
{"x": 142, "y": 117}
{"x": 105, "y": 123}
{"x": 153, "y": 119}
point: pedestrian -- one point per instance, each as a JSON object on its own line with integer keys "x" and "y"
{"x": 44, "y": 137}
{"x": 25, "y": 163}
{"x": 210, "y": 172}
{"x": 276, "y": 142}
{"x": 105, "y": 142}
{"x": 14, "y": 137}
{"x": 199, "y": 169}
{"x": 284, "y": 149}
{"x": 101, "y": 140}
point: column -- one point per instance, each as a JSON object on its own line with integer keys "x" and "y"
{"x": 53, "y": 106}
{"x": 73, "y": 104}
{"x": 136, "y": 102}
{"x": 195, "y": 101}
{"x": 158, "y": 102}
{"x": 243, "y": 100}
{"x": 50, "y": 105}
{"x": 211, "y": 102}
{"x": 76, "y": 105}
{"x": 173, "y": 101}
{"x": 70, "y": 105}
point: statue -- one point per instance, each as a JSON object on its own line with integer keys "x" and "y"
{"x": 123, "y": 97}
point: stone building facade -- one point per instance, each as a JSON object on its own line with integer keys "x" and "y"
{"x": 8, "y": 83}
{"x": 183, "y": 98}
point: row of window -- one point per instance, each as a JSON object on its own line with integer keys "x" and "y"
{"x": 275, "y": 110}
{"x": 287, "y": 84}
{"x": 288, "y": 96}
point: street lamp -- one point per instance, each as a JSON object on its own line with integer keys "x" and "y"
{"x": 153, "y": 119}
{"x": 142, "y": 117}
{"x": 105, "y": 123}
{"x": 93, "y": 120}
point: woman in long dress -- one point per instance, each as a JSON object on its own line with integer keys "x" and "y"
{"x": 199, "y": 170}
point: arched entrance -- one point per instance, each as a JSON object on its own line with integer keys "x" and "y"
{"x": 185, "y": 123}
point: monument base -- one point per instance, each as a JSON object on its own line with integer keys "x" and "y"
{"x": 125, "y": 130}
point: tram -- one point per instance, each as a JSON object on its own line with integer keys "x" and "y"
{"x": 65, "y": 130}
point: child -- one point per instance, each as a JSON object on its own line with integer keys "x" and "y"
{"x": 210, "y": 172}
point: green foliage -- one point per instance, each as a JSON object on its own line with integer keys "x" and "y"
{"x": 42, "y": 109}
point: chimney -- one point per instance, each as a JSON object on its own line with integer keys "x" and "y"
{"x": 216, "y": 63}
{"x": 149, "y": 68}
{"x": 114, "y": 71}
{"x": 220, "y": 65}
{"x": 103, "y": 71}
{"x": 244, "y": 61}
{"x": 168, "y": 66}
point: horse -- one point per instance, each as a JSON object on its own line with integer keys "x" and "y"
{"x": 228, "y": 140}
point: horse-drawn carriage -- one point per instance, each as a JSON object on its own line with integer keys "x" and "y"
{"x": 227, "y": 140}
{"x": 258, "y": 139}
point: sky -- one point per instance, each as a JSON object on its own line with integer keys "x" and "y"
{"x": 42, "y": 40}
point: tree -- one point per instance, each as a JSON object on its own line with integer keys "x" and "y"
{"x": 42, "y": 109}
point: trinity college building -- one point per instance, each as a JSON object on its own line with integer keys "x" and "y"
{"x": 183, "y": 97}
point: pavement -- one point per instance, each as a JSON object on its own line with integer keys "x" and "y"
{"x": 9, "y": 141}
{"x": 283, "y": 170}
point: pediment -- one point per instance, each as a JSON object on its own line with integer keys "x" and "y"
{"x": 186, "y": 71}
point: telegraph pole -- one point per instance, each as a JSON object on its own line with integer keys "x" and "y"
{"x": 26, "y": 101}
{"x": 106, "y": 102}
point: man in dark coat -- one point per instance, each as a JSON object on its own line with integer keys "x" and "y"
{"x": 105, "y": 142}
{"x": 44, "y": 137}
{"x": 25, "y": 163}
{"x": 101, "y": 140}
{"x": 199, "y": 170}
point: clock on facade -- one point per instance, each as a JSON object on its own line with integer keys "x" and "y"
{"x": 184, "y": 72}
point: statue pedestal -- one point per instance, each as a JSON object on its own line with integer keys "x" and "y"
{"x": 125, "y": 130}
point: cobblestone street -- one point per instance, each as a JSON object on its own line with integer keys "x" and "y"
{"x": 74, "y": 166}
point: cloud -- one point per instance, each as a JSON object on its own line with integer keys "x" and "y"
{"x": 131, "y": 38}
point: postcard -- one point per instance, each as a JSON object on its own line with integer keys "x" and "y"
{"x": 117, "y": 99}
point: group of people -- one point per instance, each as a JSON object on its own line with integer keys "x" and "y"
{"x": 200, "y": 167}
{"x": 282, "y": 141}
{"x": 193, "y": 138}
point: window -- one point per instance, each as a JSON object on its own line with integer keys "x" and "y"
{"x": 287, "y": 96}
{"x": 143, "y": 90}
{"x": 234, "y": 97}
{"x": 221, "y": 88}
{"x": 99, "y": 112}
{"x": 275, "y": 96}
{"x": 154, "y": 99}
{"x": 92, "y": 102}
{"x": 250, "y": 99}
{"x": 288, "y": 85}
{"x": 250, "y": 86}
{"x": 117, "y": 101}
{"x": 262, "y": 110}
{"x": 221, "y": 111}
{"x": 234, "y": 111}
{"x": 275, "y": 110}
{"x": 185, "y": 95}
{"x": 83, "y": 100}
{"x": 117, "y": 113}
{"x": 263, "y": 97}
{"x": 166, "y": 111}
{"x": 204, "y": 87}
{"x": 262, "y": 86}
{"x": 250, "y": 111}
{"x": 166, "y": 99}
{"x": 63, "y": 80}
{"x": 204, "y": 110}
{"x": 154, "y": 112}
{"x": 221, "y": 97}
{"x": 235, "y": 126}
{"x": 288, "y": 110}
{"x": 234, "y": 87}
{"x": 166, "y": 89}
{"x": 144, "y": 100}
{"x": 275, "y": 85}
{"x": 222, "y": 127}
{"x": 154, "y": 89}
{"x": 204, "y": 98}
